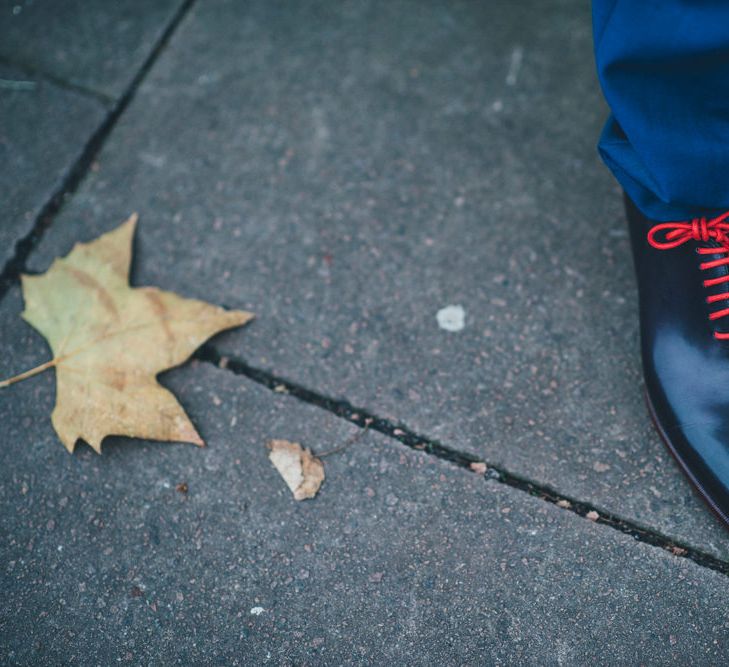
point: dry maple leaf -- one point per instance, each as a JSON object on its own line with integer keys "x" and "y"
{"x": 110, "y": 341}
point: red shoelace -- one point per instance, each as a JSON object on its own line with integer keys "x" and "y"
{"x": 674, "y": 234}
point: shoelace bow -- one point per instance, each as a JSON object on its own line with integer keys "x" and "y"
{"x": 668, "y": 235}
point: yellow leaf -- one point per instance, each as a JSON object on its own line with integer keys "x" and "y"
{"x": 301, "y": 470}
{"x": 110, "y": 341}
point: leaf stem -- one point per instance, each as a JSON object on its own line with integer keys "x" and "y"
{"x": 349, "y": 442}
{"x": 29, "y": 373}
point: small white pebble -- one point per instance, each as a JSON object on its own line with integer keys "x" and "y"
{"x": 257, "y": 611}
{"x": 451, "y": 318}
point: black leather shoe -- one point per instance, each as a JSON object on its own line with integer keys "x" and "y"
{"x": 683, "y": 281}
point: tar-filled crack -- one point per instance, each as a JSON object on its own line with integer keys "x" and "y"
{"x": 10, "y": 273}
{"x": 409, "y": 438}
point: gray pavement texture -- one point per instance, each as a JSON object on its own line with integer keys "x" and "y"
{"x": 93, "y": 44}
{"x": 345, "y": 170}
{"x": 43, "y": 131}
{"x": 402, "y": 559}
{"x": 49, "y": 52}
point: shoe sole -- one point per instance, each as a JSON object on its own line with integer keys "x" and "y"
{"x": 682, "y": 465}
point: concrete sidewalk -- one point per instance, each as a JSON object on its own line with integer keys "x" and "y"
{"x": 345, "y": 171}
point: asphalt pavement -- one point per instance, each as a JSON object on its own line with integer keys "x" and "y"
{"x": 408, "y": 196}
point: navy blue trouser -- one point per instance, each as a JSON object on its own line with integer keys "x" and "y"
{"x": 664, "y": 69}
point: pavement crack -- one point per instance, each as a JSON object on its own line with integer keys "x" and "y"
{"x": 34, "y": 72}
{"x": 365, "y": 419}
{"x": 10, "y": 273}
